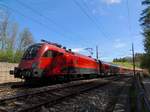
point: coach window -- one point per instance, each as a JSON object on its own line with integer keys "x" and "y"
{"x": 54, "y": 54}
{"x": 50, "y": 54}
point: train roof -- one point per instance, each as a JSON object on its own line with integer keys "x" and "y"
{"x": 84, "y": 56}
{"x": 60, "y": 49}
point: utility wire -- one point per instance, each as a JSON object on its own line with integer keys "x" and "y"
{"x": 38, "y": 13}
{"x": 41, "y": 15}
{"x": 85, "y": 4}
{"x": 128, "y": 14}
{"x": 34, "y": 20}
{"x": 90, "y": 18}
{"x": 130, "y": 32}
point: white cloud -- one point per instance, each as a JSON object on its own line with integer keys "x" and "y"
{"x": 107, "y": 59}
{"x": 99, "y": 11}
{"x": 119, "y": 44}
{"x": 117, "y": 40}
{"x": 121, "y": 17}
{"x": 96, "y": 7}
{"x": 77, "y": 49}
{"x": 112, "y": 1}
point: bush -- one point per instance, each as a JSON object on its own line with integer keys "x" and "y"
{"x": 18, "y": 56}
{"x": 3, "y": 56}
{"x": 146, "y": 62}
{"x": 10, "y": 56}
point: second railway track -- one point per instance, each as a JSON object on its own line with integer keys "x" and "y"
{"x": 36, "y": 99}
{"x": 10, "y": 89}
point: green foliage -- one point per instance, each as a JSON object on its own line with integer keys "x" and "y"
{"x": 146, "y": 61}
{"x": 2, "y": 56}
{"x": 6, "y": 56}
{"x": 145, "y": 23}
{"x": 10, "y": 56}
{"x": 147, "y": 41}
{"x": 125, "y": 64}
{"x": 18, "y": 56}
{"x": 128, "y": 61}
{"x": 12, "y": 42}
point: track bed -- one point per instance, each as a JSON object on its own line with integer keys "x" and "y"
{"x": 41, "y": 98}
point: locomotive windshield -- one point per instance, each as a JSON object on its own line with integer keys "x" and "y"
{"x": 31, "y": 52}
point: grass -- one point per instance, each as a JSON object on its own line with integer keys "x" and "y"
{"x": 125, "y": 64}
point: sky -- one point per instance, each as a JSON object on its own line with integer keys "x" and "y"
{"x": 112, "y": 25}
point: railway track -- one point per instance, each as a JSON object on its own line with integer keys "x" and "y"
{"x": 49, "y": 95}
{"x": 12, "y": 88}
{"x": 101, "y": 99}
{"x": 6, "y": 89}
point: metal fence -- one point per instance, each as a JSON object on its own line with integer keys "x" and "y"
{"x": 5, "y": 77}
{"x": 143, "y": 104}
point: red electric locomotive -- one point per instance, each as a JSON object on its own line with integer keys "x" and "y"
{"x": 49, "y": 60}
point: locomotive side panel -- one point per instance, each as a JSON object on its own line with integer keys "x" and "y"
{"x": 85, "y": 65}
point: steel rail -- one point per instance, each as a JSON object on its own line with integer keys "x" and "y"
{"x": 54, "y": 101}
{"x": 70, "y": 94}
{"x": 48, "y": 89}
{"x": 59, "y": 97}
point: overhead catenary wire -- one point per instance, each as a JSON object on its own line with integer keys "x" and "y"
{"x": 130, "y": 33}
{"x": 40, "y": 14}
{"x": 91, "y": 19}
{"x": 45, "y": 17}
{"x": 128, "y": 16}
{"x": 98, "y": 22}
{"x": 32, "y": 19}
{"x": 37, "y": 12}
{"x": 47, "y": 27}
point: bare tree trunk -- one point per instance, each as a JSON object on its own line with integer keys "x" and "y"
{"x": 3, "y": 32}
{"x": 13, "y": 35}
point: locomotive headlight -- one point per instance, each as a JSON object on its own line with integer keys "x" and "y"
{"x": 34, "y": 65}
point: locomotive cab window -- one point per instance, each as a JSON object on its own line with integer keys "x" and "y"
{"x": 50, "y": 54}
{"x": 31, "y": 52}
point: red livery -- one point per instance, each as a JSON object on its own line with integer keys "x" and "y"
{"x": 49, "y": 60}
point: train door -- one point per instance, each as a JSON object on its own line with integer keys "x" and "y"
{"x": 45, "y": 62}
{"x": 58, "y": 66}
{"x": 51, "y": 62}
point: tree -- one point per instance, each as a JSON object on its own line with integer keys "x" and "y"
{"x": 12, "y": 45}
{"x": 26, "y": 39}
{"x": 145, "y": 23}
{"x": 3, "y": 31}
{"x": 13, "y": 32}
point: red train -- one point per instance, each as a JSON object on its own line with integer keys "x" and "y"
{"x": 48, "y": 60}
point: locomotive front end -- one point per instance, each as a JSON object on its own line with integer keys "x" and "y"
{"x": 29, "y": 64}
